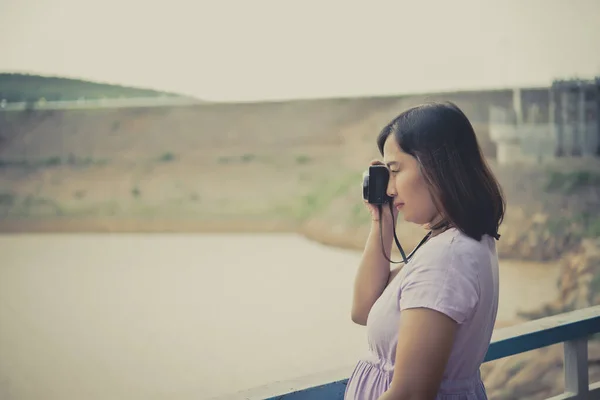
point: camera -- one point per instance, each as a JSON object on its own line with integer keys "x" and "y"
{"x": 375, "y": 183}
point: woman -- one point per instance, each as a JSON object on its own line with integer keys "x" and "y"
{"x": 429, "y": 323}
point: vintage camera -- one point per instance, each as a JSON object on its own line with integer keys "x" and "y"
{"x": 375, "y": 183}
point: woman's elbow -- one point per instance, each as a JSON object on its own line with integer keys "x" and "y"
{"x": 359, "y": 317}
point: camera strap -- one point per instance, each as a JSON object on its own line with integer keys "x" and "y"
{"x": 405, "y": 259}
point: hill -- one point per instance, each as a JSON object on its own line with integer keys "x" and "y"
{"x": 16, "y": 87}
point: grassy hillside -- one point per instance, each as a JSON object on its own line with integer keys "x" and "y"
{"x": 24, "y": 87}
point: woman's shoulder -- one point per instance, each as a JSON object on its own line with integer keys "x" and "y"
{"x": 444, "y": 276}
{"x": 453, "y": 249}
{"x": 450, "y": 257}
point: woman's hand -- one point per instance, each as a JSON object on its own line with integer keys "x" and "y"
{"x": 373, "y": 272}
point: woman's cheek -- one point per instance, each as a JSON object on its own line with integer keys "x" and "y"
{"x": 400, "y": 183}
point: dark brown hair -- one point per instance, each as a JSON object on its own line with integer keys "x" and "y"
{"x": 464, "y": 189}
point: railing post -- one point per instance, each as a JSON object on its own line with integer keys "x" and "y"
{"x": 576, "y": 368}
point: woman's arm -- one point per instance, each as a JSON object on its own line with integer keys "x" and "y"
{"x": 373, "y": 272}
{"x": 425, "y": 342}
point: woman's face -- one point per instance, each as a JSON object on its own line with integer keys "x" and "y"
{"x": 410, "y": 192}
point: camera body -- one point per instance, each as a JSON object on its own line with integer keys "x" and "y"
{"x": 375, "y": 183}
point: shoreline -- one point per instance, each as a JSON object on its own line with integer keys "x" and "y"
{"x": 56, "y": 225}
{"x": 140, "y": 225}
{"x": 314, "y": 230}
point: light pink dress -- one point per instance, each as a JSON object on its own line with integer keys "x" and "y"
{"x": 455, "y": 275}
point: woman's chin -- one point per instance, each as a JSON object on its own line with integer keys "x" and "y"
{"x": 406, "y": 217}
{"x": 417, "y": 221}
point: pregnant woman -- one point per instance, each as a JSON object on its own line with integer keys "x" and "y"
{"x": 429, "y": 323}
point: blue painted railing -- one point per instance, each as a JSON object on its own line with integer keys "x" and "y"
{"x": 572, "y": 328}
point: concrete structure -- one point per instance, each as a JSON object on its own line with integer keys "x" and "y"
{"x": 139, "y": 132}
{"x": 564, "y": 124}
{"x": 523, "y": 124}
{"x": 576, "y": 117}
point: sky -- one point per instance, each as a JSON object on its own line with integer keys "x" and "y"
{"x": 256, "y": 50}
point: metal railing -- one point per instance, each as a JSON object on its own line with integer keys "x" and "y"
{"x": 159, "y": 101}
{"x": 573, "y": 329}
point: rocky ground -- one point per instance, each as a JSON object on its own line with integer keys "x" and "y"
{"x": 539, "y": 374}
{"x": 535, "y": 375}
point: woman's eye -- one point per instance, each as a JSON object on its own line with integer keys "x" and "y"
{"x": 394, "y": 172}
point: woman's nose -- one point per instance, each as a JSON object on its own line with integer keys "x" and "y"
{"x": 391, "y": 189}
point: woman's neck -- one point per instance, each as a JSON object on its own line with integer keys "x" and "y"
{"x": 438, "y": 225}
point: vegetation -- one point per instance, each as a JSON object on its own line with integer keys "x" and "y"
{"x": 585, "y": 222}
{"x": 571, "y": 182}
{"x": 55, "y": 161}
{"x": 32, "y": 88}
{"x": 323, "y": 196}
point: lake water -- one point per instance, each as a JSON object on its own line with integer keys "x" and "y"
{"x": 185, "y": 316}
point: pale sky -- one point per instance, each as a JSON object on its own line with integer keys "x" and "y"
{"x": 246, "y": 50}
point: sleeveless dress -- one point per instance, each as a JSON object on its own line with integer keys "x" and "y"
{"x": 453, "y": 274}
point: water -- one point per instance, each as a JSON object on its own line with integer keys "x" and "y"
{"x": 184, "y": 316}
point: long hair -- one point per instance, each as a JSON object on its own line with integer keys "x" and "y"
{"x": 463, "y": 188}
